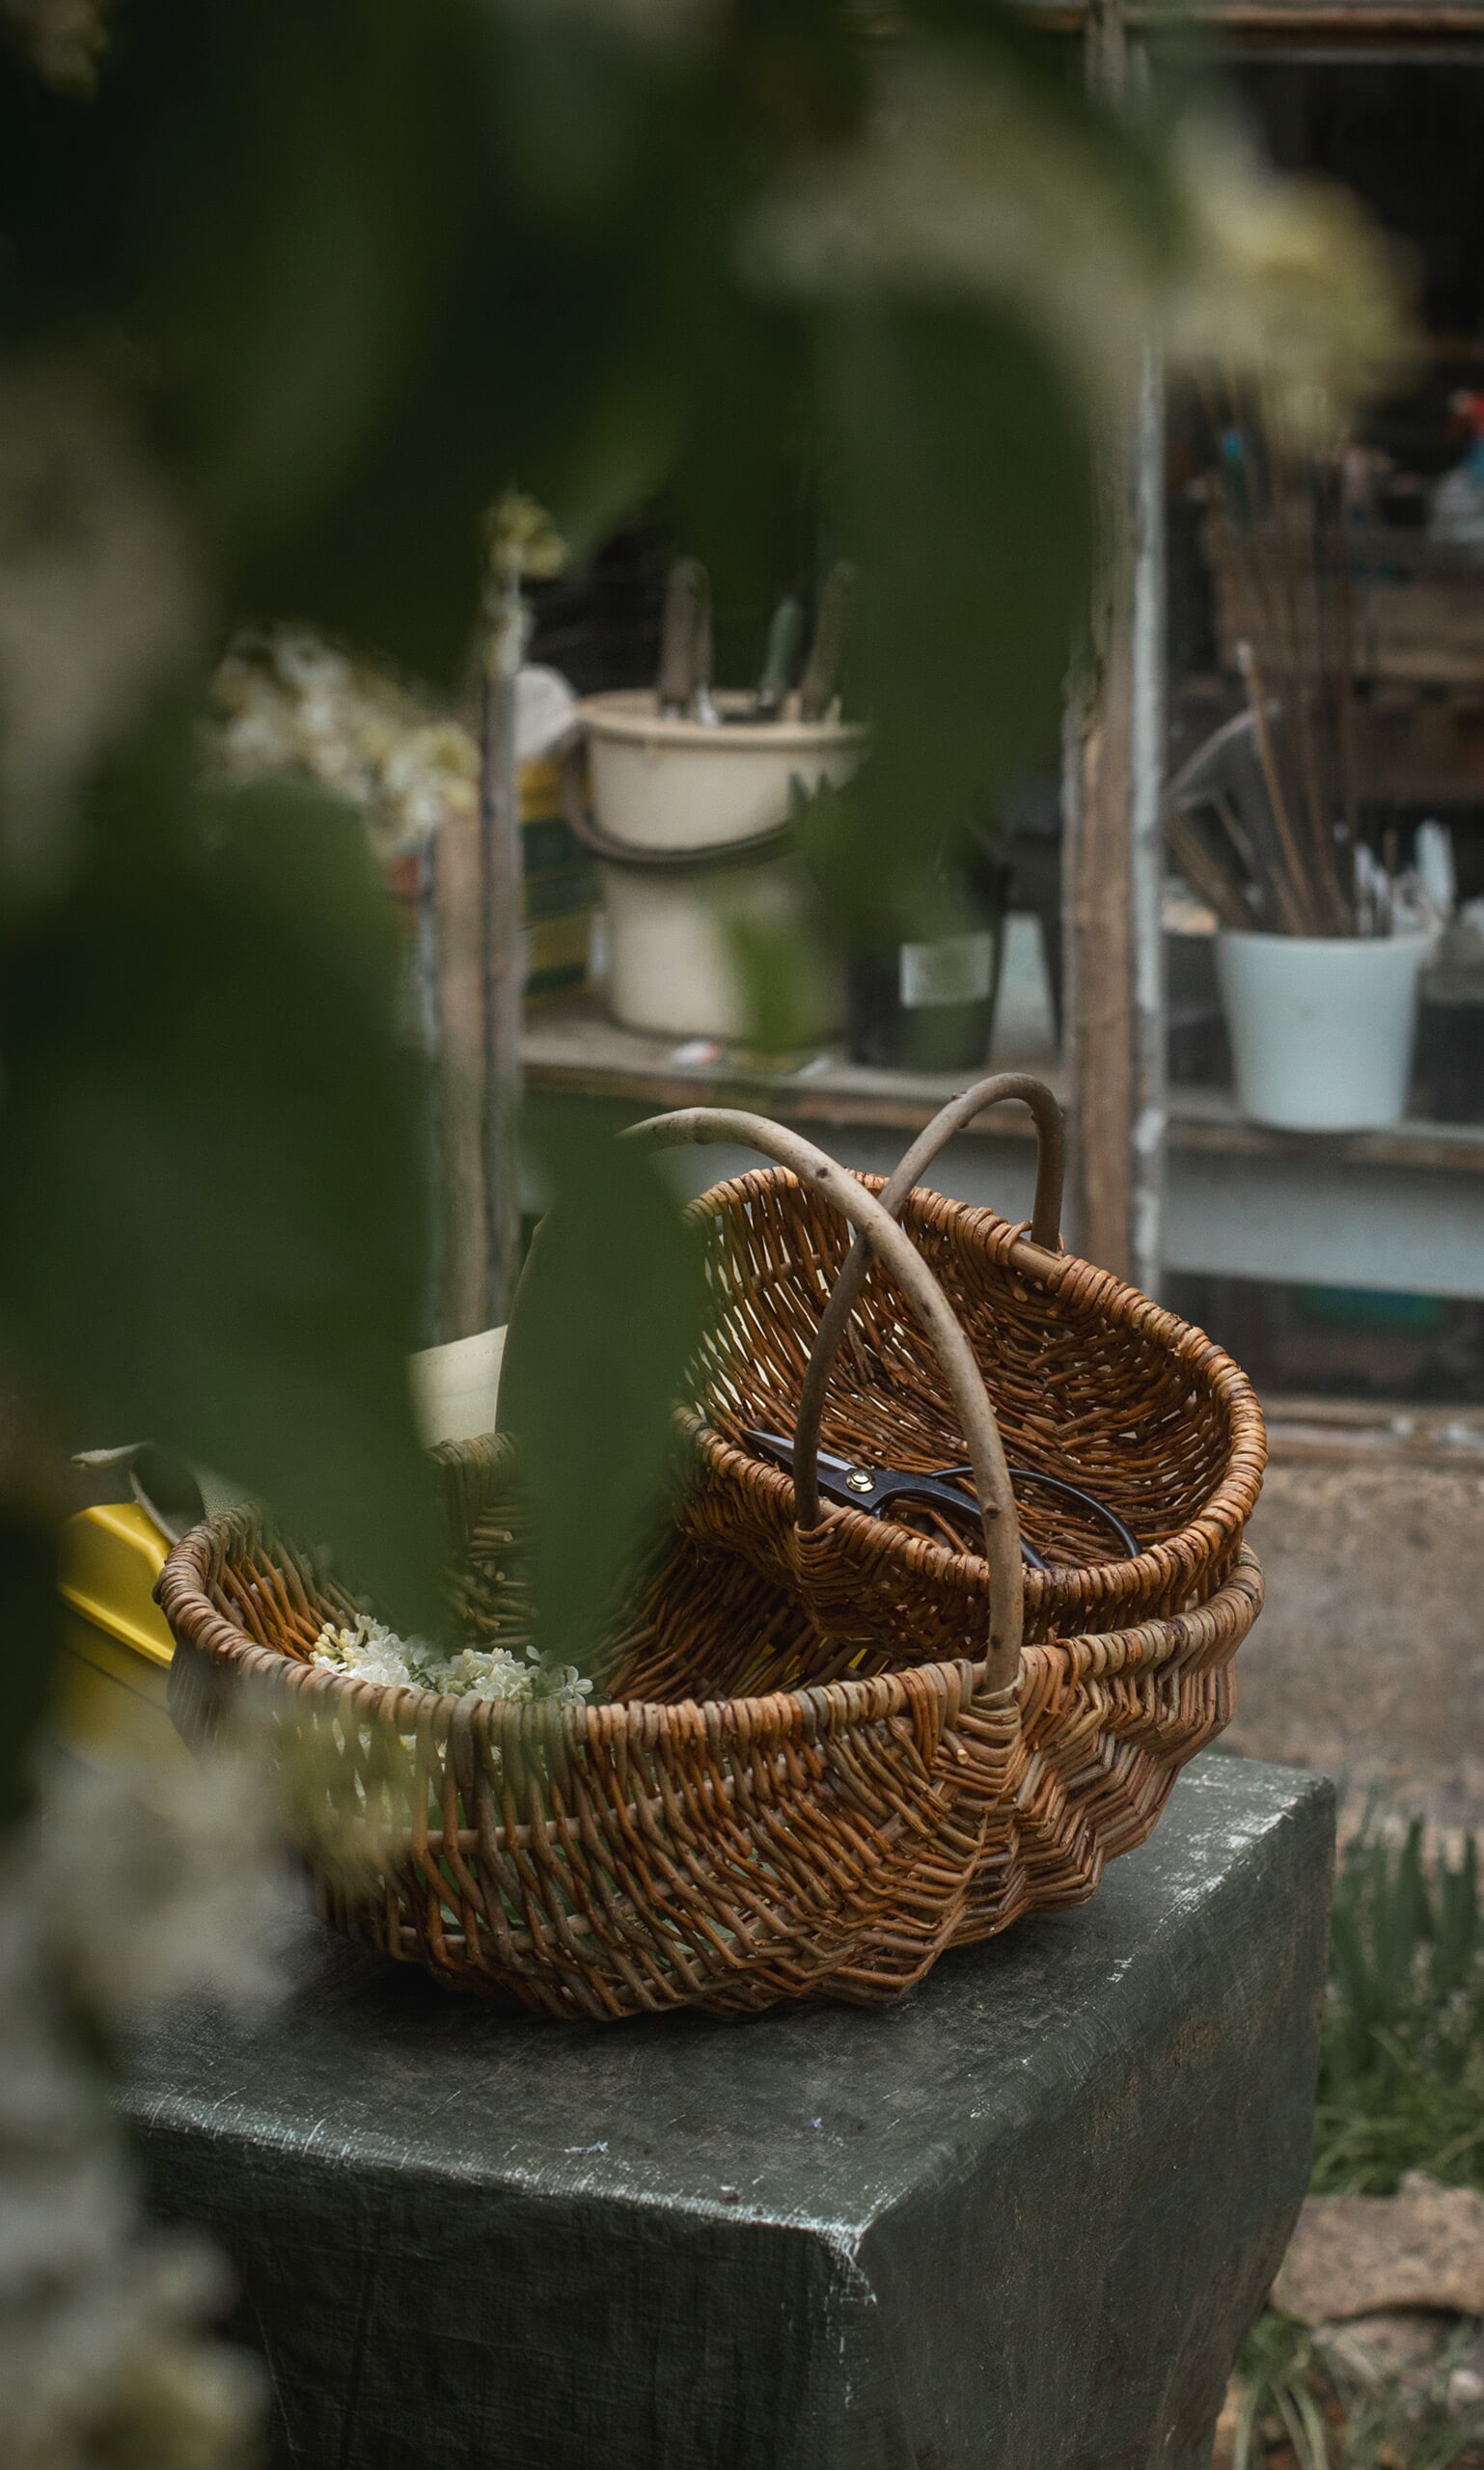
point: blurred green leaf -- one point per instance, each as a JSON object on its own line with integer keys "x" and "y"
{"x": 611, "y": 1305}
{"x": 1401, "y": 2082}
{"x": 31, "y": 1626}
{"x": 964, "y": 492}
{"x": 212, "y": 1217}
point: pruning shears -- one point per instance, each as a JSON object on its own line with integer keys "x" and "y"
{"x": 875, "y": 1488}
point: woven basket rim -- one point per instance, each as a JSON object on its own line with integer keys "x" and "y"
{"x": 825, "y": 1707}
{"x": 1233, "y": 1498}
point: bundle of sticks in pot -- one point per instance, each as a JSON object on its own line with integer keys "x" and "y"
{"x": 1264, "y": 821}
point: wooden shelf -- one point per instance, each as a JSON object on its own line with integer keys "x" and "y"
{"x": 573, "y": 1046}
{"x": 1335, "y": 1432}
{"x": 1399, "y": 20}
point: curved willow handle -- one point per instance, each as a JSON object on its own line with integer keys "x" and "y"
{"x": 1045, "y": 1226}
{"x": 880, "y": 1234}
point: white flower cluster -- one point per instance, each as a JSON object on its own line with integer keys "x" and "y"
{"x": 371, "y": 1652}
{"x": 123, "y": 1891}
{"x": 286, "y": 700}
{"x": 61, "y": 39}
{"x": 190, "y": 1886}
{"x": 97, "y": 599}
{"x": 967, "y": 181}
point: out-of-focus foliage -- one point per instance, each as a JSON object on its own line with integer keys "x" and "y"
{"x": 611, "y": 1303}
{"x": 207, "y": 1226}
{"x": 113, "y": 1902}
{"x": 292, "y": 289}
{"x": 286, "y": 300}
{"x": 285, "y": 700}
{"x": 1401, "y": 2082}
{"x": 1401, "y": 2088}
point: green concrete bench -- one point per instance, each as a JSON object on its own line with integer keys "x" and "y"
{"x": 1020, "y": 2223}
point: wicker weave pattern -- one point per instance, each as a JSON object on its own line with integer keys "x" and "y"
{"x": 725, "y": 1852}
{"x": 823, "y": 1757}
{"x": 1088, "y": 1380}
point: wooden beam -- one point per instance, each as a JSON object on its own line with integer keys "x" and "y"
{"x": 1149, "y": 1096}
{"x": 504, "y": 958}
{"x": 1402, "y": 20}
{"x": 460, "y": 911}
{"x": 1098, "y": 1009}
{"x": 1098, "y": 796}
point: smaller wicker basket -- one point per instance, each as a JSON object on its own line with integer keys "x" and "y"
{"x": 698, "y": 1839}
{"x": 1089, "y": 1382}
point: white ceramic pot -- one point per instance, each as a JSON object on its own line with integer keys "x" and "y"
{"x": 662, "y": 790}
{"x": 673, "y": 942}
{"x": 1322, "y": 1027}
{"x": 679, "y": 784}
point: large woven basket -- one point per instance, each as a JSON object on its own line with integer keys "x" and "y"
{"x": 1089, "y": 1381}
{"x": 698, "y": 1839}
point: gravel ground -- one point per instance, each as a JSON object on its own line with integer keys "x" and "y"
{"x": 1368, "y": 1661}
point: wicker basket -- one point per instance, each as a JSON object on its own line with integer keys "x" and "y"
{"x": 1089, "y": 1382}
{"x": 696, "y": 1840}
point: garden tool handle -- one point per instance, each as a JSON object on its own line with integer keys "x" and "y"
{"x": 880, "y": 1233}
{"x": 1045, "y": 1223}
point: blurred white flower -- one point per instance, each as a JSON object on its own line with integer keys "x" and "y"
{"x": 97, "y": 601}
{"x": 118, "y": 1894}
{"x": 287, "y": 700}
{"x": 63, "y": 39}
{"x": 1291, "y": 283}
{"x": 958, "y": 185}
{"x": 975, "y": 184}
{"x": 186, "y": 1891}
{"x": 369, "y": 1651}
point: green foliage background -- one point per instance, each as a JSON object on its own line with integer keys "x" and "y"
{"x": 337, "y": 272}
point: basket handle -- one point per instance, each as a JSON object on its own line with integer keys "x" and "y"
{"x": 1045, "y": 1235}
{"x": 878, "y": 1232}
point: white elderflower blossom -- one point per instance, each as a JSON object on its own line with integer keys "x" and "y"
{"x": 97, "y": 601}
{"x": 1291, "y": 283}
{"x": 63, "y": 39}
{"x": 193, "y": 1891}
{"x": 287, "y": 700}
{"x": 119, "y": 1893}
{"x": 963, "y": 182}
{"x": 369, "y": 1651}
{"x": 955, "y": 186}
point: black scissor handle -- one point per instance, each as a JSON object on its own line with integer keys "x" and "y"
{"x": 873, "y": 1489}
{"x": 890, "y": 1487}
{"x": 1074, "y": 1493}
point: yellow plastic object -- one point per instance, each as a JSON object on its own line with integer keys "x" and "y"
{"x": 116, "y": 1645}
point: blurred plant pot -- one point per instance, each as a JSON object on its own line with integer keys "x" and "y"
{"x": 1198, "y": 1047}
{"x": 676, "y": 943}
{"x": 1322, "y": 1027}
{"x": 1450, "y": 1032}
{"x": 689, "y": 828}
{"x": 930, "y": 1006}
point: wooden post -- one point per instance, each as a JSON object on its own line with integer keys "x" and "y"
{"x": 464, "y": 1239}
{"x": 504, "y": 943}
{"x": 480, "y": 985}
{"x": 1095, "y": 894}
{"x": 1113, "y": 864}
{"x": 1147, "y": 1094}
{"x": 481, "y": 951}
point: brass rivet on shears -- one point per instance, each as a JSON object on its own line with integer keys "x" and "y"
{"x": 860, "y": 1479}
